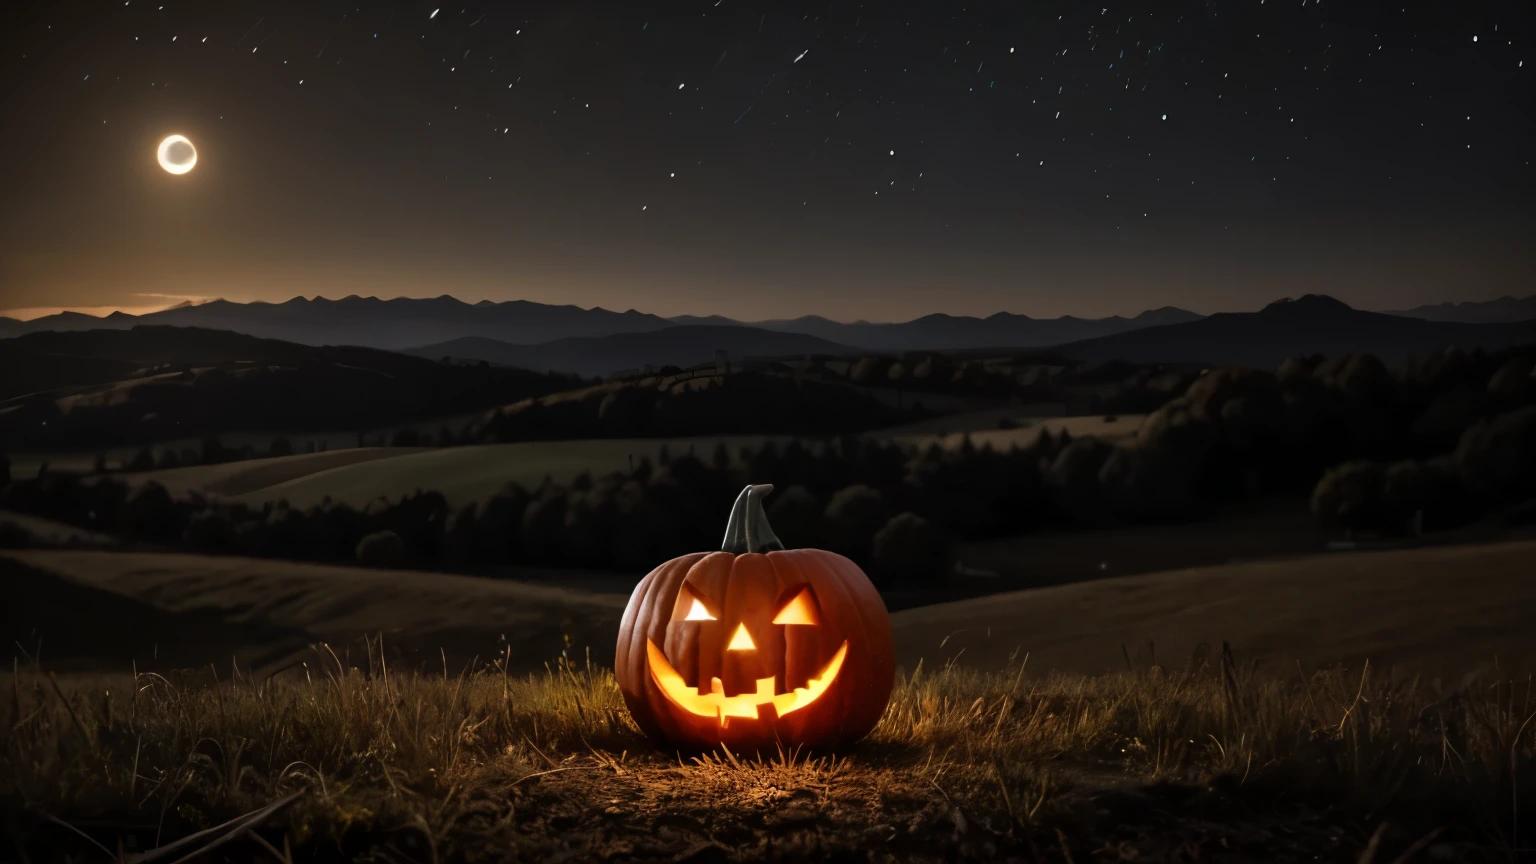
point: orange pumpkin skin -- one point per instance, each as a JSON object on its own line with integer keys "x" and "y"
{"x": 851, "y": 630}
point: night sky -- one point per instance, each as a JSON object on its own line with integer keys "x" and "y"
{"x": 857, "y": 160}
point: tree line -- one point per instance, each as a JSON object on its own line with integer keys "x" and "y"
{"x": 1450, "y": 441}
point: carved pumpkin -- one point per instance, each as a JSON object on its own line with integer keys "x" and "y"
{"x": 756, "y": 644}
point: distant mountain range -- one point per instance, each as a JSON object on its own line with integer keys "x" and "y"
{"x": 369, "y": 322}
{"x": 1313, "y": 324}
{"x": 686, "y": 345}
{"x": 599, "y": 341}
{"x": 408, "y": 323}
{"x": 940, "y": 332}
{"x": 1501, "y": 311}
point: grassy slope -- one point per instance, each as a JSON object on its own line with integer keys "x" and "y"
{"x": 1218, "y": 763}
{"x": 58, "y": 534}
{"x": 110, "y": 607}
{"x": 250, "y": 475}
{"x": 467, "y": 473}
{"x": 1443, "y": 611}
{"x": 1242, "y": 532}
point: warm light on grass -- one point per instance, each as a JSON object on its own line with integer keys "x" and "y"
{"x": 483, "y": 761}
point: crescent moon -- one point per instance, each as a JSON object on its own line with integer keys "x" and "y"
{"x": 171, "y": 165}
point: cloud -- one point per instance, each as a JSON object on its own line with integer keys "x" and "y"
{"x": 178, "y": 299}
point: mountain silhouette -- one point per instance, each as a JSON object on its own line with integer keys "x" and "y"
{"x": 408, "y": 322}
{"x": 371, "y": 322}
{"x": 1500, "y": 311}
{"x": 1312, "y": 324}
{"x": 683, "y": 346}
{"x": 940, "y": 332}
{"x": 1308, "y": 323}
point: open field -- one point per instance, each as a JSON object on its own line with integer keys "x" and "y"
{"x": 1439, "y": 611}
{"x": 250, "y": 475}
{"x": 24, "y": 464}
{"x": 1121, "y": 427}
{"x": 1027, "y": 419}
{"x": 359, "y": 475}
{"x": 464, "y": 474}
{"x": 1436, "y": 611}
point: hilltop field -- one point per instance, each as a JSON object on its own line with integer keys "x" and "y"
{"x": 400, "y": 716}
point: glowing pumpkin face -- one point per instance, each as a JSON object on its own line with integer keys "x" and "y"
{"x": 756, "y": 644}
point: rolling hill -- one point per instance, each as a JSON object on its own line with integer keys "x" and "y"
{"x": 683, "y": 346}
{"x": 103, "y": 387}
{"x": 1441, "y": 611}
{"x": 1313, "y": 324}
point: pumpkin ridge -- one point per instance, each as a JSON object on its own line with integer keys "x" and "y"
{"x": 781, "y": 585}
{"x": 833, "y": 601}
{"x": 848, "y": 579}
{"x": 664, "y": 593}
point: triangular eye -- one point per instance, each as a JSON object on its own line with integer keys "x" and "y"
{"x": 741, "y": 640}
{"x": 801, "y": 609}
{"x": 690, "y": 607}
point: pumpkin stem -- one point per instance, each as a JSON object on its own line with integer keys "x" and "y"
{"x": 748, "y": 529}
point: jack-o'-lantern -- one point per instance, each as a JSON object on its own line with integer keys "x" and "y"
{"x": 755, "y": 644}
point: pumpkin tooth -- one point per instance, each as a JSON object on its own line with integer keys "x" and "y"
{"x": 722, "y": 707}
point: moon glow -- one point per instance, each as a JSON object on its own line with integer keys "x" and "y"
{"x": 177, "y": 155}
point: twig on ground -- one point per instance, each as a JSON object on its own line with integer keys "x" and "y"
{"x": 232, "y": 829}
{"x": 1368, "y": 855}
{"x": 1418, "y": 846}
{"x": 92, "y": 840}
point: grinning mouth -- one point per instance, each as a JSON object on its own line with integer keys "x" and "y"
{"x": 715, "y": 703}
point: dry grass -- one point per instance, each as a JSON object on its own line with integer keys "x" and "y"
{"x": 363, "y": 762}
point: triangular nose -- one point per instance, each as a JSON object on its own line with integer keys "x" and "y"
{"x": 741, "y": 640}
